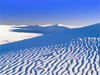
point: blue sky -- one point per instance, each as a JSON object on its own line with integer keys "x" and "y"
{"x": 34, "y": 12}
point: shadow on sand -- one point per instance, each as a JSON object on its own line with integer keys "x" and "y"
{"x": 39, "y": 29}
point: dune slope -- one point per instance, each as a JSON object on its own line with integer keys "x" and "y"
{"x": 68, "y": 52}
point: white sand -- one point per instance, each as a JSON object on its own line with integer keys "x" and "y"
{"x": 7, "y": 36}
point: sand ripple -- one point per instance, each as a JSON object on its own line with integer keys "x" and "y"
{"x": 79, "y": 57}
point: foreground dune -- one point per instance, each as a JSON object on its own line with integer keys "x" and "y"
{"x": 69, "y": 54}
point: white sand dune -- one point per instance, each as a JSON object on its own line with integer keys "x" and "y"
{"x": 77, "y": 56}
{"x": 55, "y": 62}
{"x": 12, "y": 33}
{"x": 7, "y": 36}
